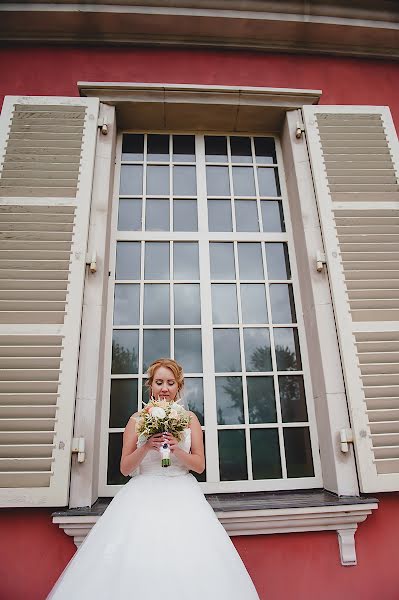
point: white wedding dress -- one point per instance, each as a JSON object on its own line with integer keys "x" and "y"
{"x": 158, "y": 539}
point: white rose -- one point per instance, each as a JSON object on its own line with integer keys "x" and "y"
{"x": 177, "y": 407}
{"x": 173, "y": 414}
{"x": 157, "y": 412}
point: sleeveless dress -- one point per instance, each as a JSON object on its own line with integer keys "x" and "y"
{"x": 158, "y": 539}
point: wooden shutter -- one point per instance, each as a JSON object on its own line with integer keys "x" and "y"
{"x": 47, "y": 150}
{"x": 354, "y": 155}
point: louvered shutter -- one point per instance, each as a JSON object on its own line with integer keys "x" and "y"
{"x": 47, "y": 150}
{"x": 355, "y": 157}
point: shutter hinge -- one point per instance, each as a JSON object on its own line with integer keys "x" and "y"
{"x": 103, "y": 125}
{"x": 346, "y": 438}
{"x": 300, "y": 129}
{"x": 320, "y": 260}
{"x": 91, "y": 261}
{"x": 78, "y": 447}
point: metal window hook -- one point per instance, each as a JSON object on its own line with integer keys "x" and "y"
{"x": 91, "y": 261}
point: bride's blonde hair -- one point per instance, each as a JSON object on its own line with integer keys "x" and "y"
{"x": 169, "y": 363}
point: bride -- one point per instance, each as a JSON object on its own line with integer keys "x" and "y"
{"x": 158, "y": 539}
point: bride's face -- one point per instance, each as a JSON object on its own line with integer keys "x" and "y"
{"x": 164, "y": 384}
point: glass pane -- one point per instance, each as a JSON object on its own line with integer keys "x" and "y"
{"x": 265, "y": 150}
{"x": 298, "y": 452}
{"x": 222, "y": 260}
{"x": 268, "y": 182}
{"x": 133, "y": 146}
{"x": 187, "y": 304}
{"x": 261, "y": 400}
{"x": 129, "y": 215}
{"x": 219, "y": 215}
{"x": 184, "y": 181}
{"x": 123, "y": 401}
{"x": 158, "y": 147}
{"x": 253, "y": 303}
{"x": 156, "y": 264}
{"x": 272, "y": 215}
{"x": 229, "y": 402}
{"x": 282, "y": 301}
{"x": 257, "y": 349}
{"x": 250, "y": 260}
{"x": 185, "y": 215}
{"x": 246, "y": 215}
{"x": 188, "y": 350}
{"x": 193, "y": 394}
{"x": 278, "y": 266}
{"x": 183, "y": 148}
{"x": 131, "y": 183}
{"x": 240, "y": 149}
{"x": 125, "y": 351}
{"x": 215, "y": 148}
{"x": 127, "y": 260}
{"x": 243, "y": 181}
{"x": 156, "y": 344}
{"x": 232, "y": 455}
{"x": 292, "y": 398}
{"x": 227, "y": 350}
{"x": 114, "y": 476}
{"x": 224, "y": 303}
{"x": 266, "y": 462}
{"x": 185, "y": 260}
{"x": 156, "y": 304}
{"x": 157, "y": 215}
{"x": 126, "y": 304}
{"x": 286, "y": 343}
{"x": 217, "y": 181}
{"x": 158, "y": 180}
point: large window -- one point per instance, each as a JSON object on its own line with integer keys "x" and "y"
{"x": 204, "y": 271}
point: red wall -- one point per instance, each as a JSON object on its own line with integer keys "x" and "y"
{"x": 33, "y": 551}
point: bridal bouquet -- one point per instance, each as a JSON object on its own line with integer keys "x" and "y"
{"x": 160, "y": 416}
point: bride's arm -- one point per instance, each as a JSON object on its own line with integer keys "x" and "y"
{"x": 196, "y": 460}
{"x": 132, "y": 456}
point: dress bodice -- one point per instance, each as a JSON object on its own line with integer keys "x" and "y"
{"x": 151, "y": 463}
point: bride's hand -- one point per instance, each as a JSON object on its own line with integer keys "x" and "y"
{"x": 155, "y": 441}
{"x": 172, "y": 441}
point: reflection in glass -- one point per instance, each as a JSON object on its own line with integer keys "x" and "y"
{"x": 215, "y": 148}
{"x": 185, "y": 260}
{"x": 272, "y": 215}
{"x": 240, "y": 148}
{"x": 278, "y": 266}
{"x": 125, "y": 351}
{"x": 268, "y": 181}
{"x": 250, "y": 260}
{"x": 193, "y": 394}
{"x": 217, "y": 181}
{"x": 127, "y": 260}
{"x": 156, "y": 343}
{"x": 266, "y": 462}
{"x": 224, "y": 303}
{"x": 158, "y": 180}
{"x": 282, "y": 301}
{"x": 219, "y": 215}
{"x": 156, "y": 304}
{"x": 156, "y": 264}
{"x": 232, "y": 455}
{"x": 129, "y": 214}
{"x": 229, "y": 402}
{"x": 257, "y": 349}
{"x": 292, "y": 398}
{"x": 183, "y": 148}
{"x": 243, "y": 181}
{"x": 187, "y": 304}
{"x": 227, "y": 350}
{"x": 298, "y": 452}
{"x": 286, "y": 343}
{"x": 261, "y": 400}
{"x": 265, "y": 150}
{"x": 246, "y": 215}
{"x": 184, "y": 181}
{"x": 131, "y": 183}
{"x": 253, "y": 303}
{"x": 126, "y": 304}
{"x": 158, "y": 147}
{"x": 133, "y": 146}
{"x": 188, "y": 350}
{"x": 123, "y": 401}
{"x": 114, "y": 476}
{"x": 185, "y": 215}
{"x": 157, "y": 215}
{"x": 222, "y": 260}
